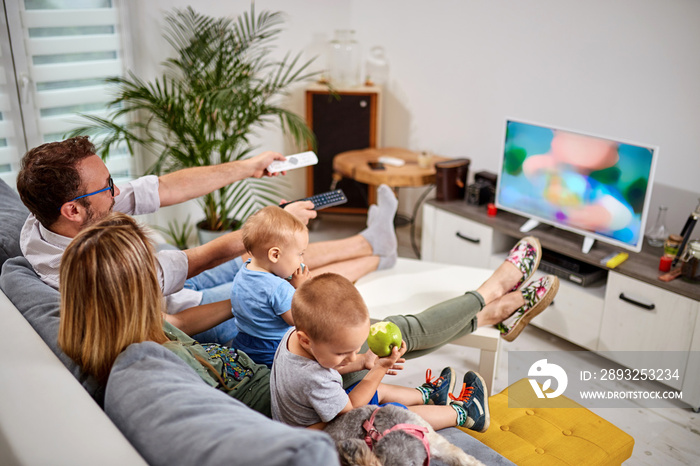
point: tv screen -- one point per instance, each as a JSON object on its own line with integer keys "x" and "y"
{"x": 595, "y": 186}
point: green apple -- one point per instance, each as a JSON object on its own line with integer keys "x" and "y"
{"x": 382, "y": 337}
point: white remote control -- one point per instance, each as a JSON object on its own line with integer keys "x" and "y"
{"x": 393, "y": 161}
{"x": 303, "y": 159}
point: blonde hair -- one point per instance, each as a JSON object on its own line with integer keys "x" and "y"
{"x": 269, "y": 227}
{"x": 110, "y": 294}
{"x": 325, "y": 304}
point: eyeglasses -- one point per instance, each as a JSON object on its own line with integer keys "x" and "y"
{"x": 109, "y": 188}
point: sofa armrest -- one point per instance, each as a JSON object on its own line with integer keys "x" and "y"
{"x": 39, "y": 304}
{"x": 45, "y": 415}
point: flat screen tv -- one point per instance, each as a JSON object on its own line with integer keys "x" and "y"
{"x": 595, "y": 186}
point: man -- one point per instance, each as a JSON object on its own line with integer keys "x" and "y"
{"x": 67, "y": 187}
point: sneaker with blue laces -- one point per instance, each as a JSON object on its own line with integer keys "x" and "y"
{"x": 475, "y": 402}
{"x": 440, "y": 389}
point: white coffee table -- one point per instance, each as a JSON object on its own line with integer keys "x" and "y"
{"x": 412, "y": 286}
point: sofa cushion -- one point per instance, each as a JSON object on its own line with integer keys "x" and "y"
{"x": 165, "y": 410}
{"x": 12, "y": 217}
{"x": 40, "y": 304}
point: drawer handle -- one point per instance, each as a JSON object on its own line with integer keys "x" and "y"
{"x": 648, "y": 307}
{"x": 466, "y": 238}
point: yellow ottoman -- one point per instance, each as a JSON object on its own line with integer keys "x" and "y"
{"x": 552, "y": 436}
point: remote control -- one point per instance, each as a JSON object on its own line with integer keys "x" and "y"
{"x": 393, "y": 161}
{"x": 303, "y": 159}
{"x": 321, "y": 201}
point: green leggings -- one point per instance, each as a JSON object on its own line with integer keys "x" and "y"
{"x": 436, "y": 326}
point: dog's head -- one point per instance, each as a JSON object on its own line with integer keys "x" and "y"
{"x": 396, "y": 448}
{"x": 355, "y": 452}
{"x": 399, "y": 448}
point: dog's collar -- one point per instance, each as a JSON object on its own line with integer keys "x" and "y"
{"x": 373, "y": 435}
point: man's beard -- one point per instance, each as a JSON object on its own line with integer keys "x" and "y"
{"x": 90, "y": 215}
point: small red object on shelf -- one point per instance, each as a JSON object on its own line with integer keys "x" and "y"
{"x": 491, "y": 210}
{"x": 665, "y": 263}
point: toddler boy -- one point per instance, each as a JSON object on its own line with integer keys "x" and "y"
{"x": 332, "y": 322}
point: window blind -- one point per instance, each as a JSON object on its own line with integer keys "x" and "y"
{"x": 62, "y": 54}
{"x": 12, "y": 143}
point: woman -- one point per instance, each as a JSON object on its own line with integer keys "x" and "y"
{"x": 110, "y": 298}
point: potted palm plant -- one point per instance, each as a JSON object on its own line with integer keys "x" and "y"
{"x": 218, "y": 88}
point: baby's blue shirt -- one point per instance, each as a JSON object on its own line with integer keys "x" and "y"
{"x": 258, "y": 299}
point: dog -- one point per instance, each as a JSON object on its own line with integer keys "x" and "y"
{"x": 391, "y": 436}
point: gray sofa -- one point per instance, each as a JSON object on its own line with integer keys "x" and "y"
{"x": 156, "y": 401}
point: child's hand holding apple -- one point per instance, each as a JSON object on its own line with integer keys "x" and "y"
{"x": 383, "y": 336}
{"x": 385, "y": 341}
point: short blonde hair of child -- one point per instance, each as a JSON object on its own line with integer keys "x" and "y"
{"x": 269, "y": 227}
{"x": 326, "y": 304}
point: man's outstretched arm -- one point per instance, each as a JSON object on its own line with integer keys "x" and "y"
{"x": 191, "y": 183}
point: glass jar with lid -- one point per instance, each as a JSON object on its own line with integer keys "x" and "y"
{"x": 671, "y": 245}
{"x": 690, "y": 267}
{"x": 344, "y": 59}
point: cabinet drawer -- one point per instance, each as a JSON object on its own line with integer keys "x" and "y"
{"x": 575, "y": 314}
{"x": 641, "y": 317}
{"x": 457, "y": 240}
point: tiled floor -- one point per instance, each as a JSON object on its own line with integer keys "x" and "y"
{"x": 663, "y": 436}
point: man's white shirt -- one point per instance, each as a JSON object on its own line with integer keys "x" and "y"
{"x": 44, "y": 248}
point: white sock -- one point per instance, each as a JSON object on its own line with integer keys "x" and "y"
{"x": 372, "y": 214}
{"x": 380, "y": 232}
{"x": 387, "y": 262}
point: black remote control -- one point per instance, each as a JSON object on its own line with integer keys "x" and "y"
{"x": 321, "y": 201}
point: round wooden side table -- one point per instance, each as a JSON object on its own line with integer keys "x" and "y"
{"x": 355, "y": 165}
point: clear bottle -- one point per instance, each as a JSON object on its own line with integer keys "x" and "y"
{"x": 344, "y": 59}
{"x": 376, "y": 67}
{"x": 657, "y": 233}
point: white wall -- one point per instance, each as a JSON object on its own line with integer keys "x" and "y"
{"x": 620, "y": 68}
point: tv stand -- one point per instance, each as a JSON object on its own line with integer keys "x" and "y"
{"x": 606, "y": 317}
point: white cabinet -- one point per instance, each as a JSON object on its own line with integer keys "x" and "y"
{"x": 451, "y": 239}
{"x": 640, "y": 318}
{"x": 575, "y": 314}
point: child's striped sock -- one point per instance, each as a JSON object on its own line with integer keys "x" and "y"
{"x": 425, "y": 392}
{"x": 461, "y": 414}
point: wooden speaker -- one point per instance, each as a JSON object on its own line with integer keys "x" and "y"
{"x": 345, "y": 120}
